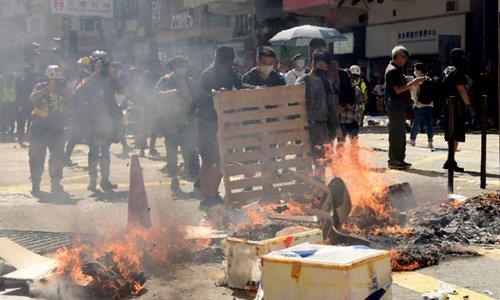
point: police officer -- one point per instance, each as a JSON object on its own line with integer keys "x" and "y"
{"x": 102, "y": 117}
{"x": 48, "y": 128}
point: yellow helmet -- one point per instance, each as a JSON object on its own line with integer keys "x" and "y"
{"x": 84, "y": 61}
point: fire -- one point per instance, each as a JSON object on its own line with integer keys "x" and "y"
{"x": 396, "y": 229}
{"x": 113, "y": 266}
{"x": 252, "y": 214}
{"x": 352, "y": 163}
{"x": 402, "y": 262}
{"x": 289, "y": 207}
{"x": 366, "y": 187}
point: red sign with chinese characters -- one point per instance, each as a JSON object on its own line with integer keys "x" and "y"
{"x": 86, "y": 8}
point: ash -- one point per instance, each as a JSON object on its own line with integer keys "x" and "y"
{"x": 261, "y": 232}
{"x": 454, "y": 229}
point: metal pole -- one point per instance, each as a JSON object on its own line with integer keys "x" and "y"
{"x": 484, "y": 129}
{"x": 451, "y": 143}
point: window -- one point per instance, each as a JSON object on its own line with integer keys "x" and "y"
{"x": 240, "y": 26}
{"x": 451, "y": 5}
{"x": 131, "y": 8}
{"x": 216, "y": 20}
{"x": 88, "y": 24}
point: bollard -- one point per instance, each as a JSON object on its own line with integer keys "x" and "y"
{"x": 484, "y": 129}
{"x": 451, "y": 142}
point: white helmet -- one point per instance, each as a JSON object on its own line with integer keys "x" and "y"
{"x": 355, "y": 70}
{"x": 54, "y": 72}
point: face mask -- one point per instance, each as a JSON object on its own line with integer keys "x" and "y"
{"x": 181, "y": 73}
{"x": 266, "y": 70}
{"x": 320, "y": 72}
{"x": 301, "y": 63}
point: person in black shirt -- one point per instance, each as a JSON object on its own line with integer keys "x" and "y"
{"x": 455, "y": 83}
{"x": 176, "y": 91}
{"x": 264, "y": 74}
{"x": 398, "y": 94}
{"x": 219, "y": 76}
{"x": 102, "y": 116}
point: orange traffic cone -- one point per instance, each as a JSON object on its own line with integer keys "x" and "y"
{"x": 138, "y": 207}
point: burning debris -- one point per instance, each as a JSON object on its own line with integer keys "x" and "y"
{"x": 114, "y": 267}
{"x": 451, "y": 230}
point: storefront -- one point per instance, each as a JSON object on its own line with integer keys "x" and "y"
{"x": 429, "y": 40}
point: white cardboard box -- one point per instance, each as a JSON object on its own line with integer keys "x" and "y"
{"x": 243, "y": 257}
{"x": 332, "y": 272}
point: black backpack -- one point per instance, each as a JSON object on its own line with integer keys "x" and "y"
{"x": 346, "y": 91}
{"x": 429, "y": 91}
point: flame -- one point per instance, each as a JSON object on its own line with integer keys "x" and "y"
{"x": 116, "y": 261}
{"x": 352, "y": 163}
{"x": 290, "y": 208}
{"x": 396, "y": 229}
{"x": 253, "y": 214}
{"x": 366, "y": 186}
{"x": 401, "y": 262}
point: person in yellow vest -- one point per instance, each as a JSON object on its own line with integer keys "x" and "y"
{"x": 48, "y": 128}
{"x": 7, "y": 106}
{"x": 358, "y": 81}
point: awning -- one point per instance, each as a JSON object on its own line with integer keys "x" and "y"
{"x": 226, "y": 7}
{"x": 294, "y": 5}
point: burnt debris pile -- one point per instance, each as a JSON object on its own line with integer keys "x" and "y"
{"x": 454, "y": 229}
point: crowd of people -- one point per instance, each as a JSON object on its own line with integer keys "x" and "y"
{"x": 64, "y": 108}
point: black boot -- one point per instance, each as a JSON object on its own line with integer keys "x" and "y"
{"x": 35, "y": 189}
{"x": 56, "y": 188}
{"x": 453, "y": 165}
{"x": 92, "y": 185}
{"x": 107, "y": 186}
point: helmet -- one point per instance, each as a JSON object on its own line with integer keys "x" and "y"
{"x": 355, "y": 70}
{"x": 101, "y": 56}
{"x": 54, "y": 72}
{"x": 84, "y": 61}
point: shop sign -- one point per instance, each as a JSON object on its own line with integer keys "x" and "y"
{"x": 83, "y": 8}
{"x": 419, "y": 37}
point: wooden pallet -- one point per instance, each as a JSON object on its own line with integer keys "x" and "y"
{"x": 262, "y": 133}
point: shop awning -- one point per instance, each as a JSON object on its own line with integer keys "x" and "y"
{"x": 226, "y": 7}
{"x": 294, "y": 5}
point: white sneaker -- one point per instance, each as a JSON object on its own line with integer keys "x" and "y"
{"x": 411, "y": 142}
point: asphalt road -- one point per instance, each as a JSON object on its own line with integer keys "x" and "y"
{"x": 83, "y": 212}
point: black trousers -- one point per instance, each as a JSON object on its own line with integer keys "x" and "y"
{"x": 186, "y": 140}
{"x": 99, "y": 154}
{"x": 39, "y": 143}
{"x": 23, "y": 122}
{"x": 397, "y": 135}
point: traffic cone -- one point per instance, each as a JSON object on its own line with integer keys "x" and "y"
{"x": 138, "y": 207}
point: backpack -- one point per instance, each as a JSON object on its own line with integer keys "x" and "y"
{"x": 429, "y": 91}
{"x": 346, "y": 91}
